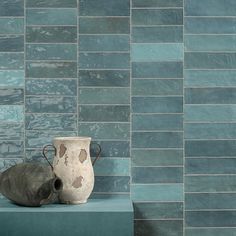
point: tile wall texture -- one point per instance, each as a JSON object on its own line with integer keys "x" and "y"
{"x": 152, "y": 81}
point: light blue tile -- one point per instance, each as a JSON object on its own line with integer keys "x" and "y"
{"x": 210, "y": 78}
{"x": 210, "y": 8}
{"x": 220, "y": 113}
{"x": 157, "y": 192}
{"x": 51, "y": 3}
{"x": 51, "y": 16}
{"x": 51, "y": 52}
{"x": 12, "y": 25}
{"x": 104, "y": 61}
{"x": 112, "y": 166}
{"x": 157, "y": 52}
{"x": 150, "y": 87}
{"x": 209, "y": 42}
{"x": 13, "y": 113}
{"x": 210, "y": 25}
{"x": 104, "y": 95}
{"x": 157, "y": 3}
{"x": 157, "y": 104}
{"x": 11, "y": 149}
{"x": 210, "y": 131}
{"x": 104, "y": 42}
{"x": 12, "y": 78}
{"x": 105, "y": 130}
{"x": 11, "y": 131}
{"x": 13, "y": 61}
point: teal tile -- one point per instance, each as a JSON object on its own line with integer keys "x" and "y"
{"x": 210, "y": 96}
{"x": 210, "y": 25}
{"x": 51, "y": 52}
{"x": 224, "y": 183}
{"x": 51, "y": 3}
{"x": 158, "y": 227}
{"x": 104, "y": 113}
{"x": 12, "y": 43}
{"x": 104, "y": 60}
{"x": 157, "y": 192}
{"x": 210, "y": 8}
{"x": 104, "y": 8}
{"x": 11, "y": 131}
{"x": 157, "y": 122}
{"x": 220, "y": 113}
{"x": 11, "y": 25}
{"x": 10, "y": 61}
{"x": 210, "y": 231}
{"x": 104, "y": 78}
{"x": 105, "y": 130}
{"x": 106, "y": 25}
{"x": 111, "y": 184}
{"x": 157, "y": 3}
{"x": 11, "y": 96}
{"x": 51, "y": 69}
{"x": 104, "y": 43}
{"x": 151, "y": 175}
{"x": 104, "y": 95}
{"x": 39, "y": 138}
{"x": 157, "y": 16}
{"x": 12, "y": 8}
{"x": 112, "y": 166}
{"x": 36, "y": 156}
{"x": 7, "y": 163}
{"x": 111, "y": 149}
{"x": 67, "y": 122}
{"x": 111, "y": 195}
{"x": 210, "y": 42}
{"x": 51, "y": 87}
{"x": 9, "y": 149}
{"x": 210, "y": 165}
{"x": 205, "y": 60}
{"x": 210, "y": 78}
{"x": 12, "y": 78}
{"x": 210, "y": 218}
{"x": 157, "y": 104}
{"x": 51, "y": 34}
{"x": 199, "y": 201}
{"x": 51, "y": 16}
{"x": 157, "y": 139}
{"x": 157, "y": 87}
{"x": 157, "y": 52}
{"x": 13, "y": 113}
{"x": 210, "y": 131}
{"x": 157, "y": 70}
{"x": 161, "y": 157}
{"x": 51, "y": 104}
{"x": 157, "y": 34}
{"x": 155, "y": 211}
{"x": 210, "y": 148}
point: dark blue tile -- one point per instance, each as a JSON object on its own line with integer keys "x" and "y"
{"x": 116, "y": 113}
{"x": 157, "y": 3}
{"x": 210, "y": 231}
{"x": 11, "y": 131}
{"x": 12, "y": 43}
{"x": 157, "y": 70}
{"x": 11, "y": 96}
{"x": 106, "y": 25}
{"x": 10, "y": 149}
{"x": 157, "y": 16}
{"x": 51, "y": 34}
{"x": 104, "y": 78}
{"x": 12, "y": 8}
{"x": 50, "y": 104}
{"x": 111, "y": 184}
{"x": 157, "y": 139}
{"x": 104, "y": 8}
{"x": 51, "y": 3}
{"x": 147, "y": 175}
{"x": 157, "y": 104}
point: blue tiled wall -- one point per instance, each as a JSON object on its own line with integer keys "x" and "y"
{"x": 152, "y": 81}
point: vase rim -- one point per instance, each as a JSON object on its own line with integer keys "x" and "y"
{"x": 75, "y": 138}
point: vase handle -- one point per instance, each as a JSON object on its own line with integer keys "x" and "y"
{"x": 45, "y": 151}
{"x": 98, "y": 153}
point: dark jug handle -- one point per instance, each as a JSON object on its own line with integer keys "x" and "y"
{"x": 98, "y": 153}
{"x": 45, "y": 151}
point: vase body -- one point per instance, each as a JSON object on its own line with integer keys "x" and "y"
{"x": 72, "y": 164}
